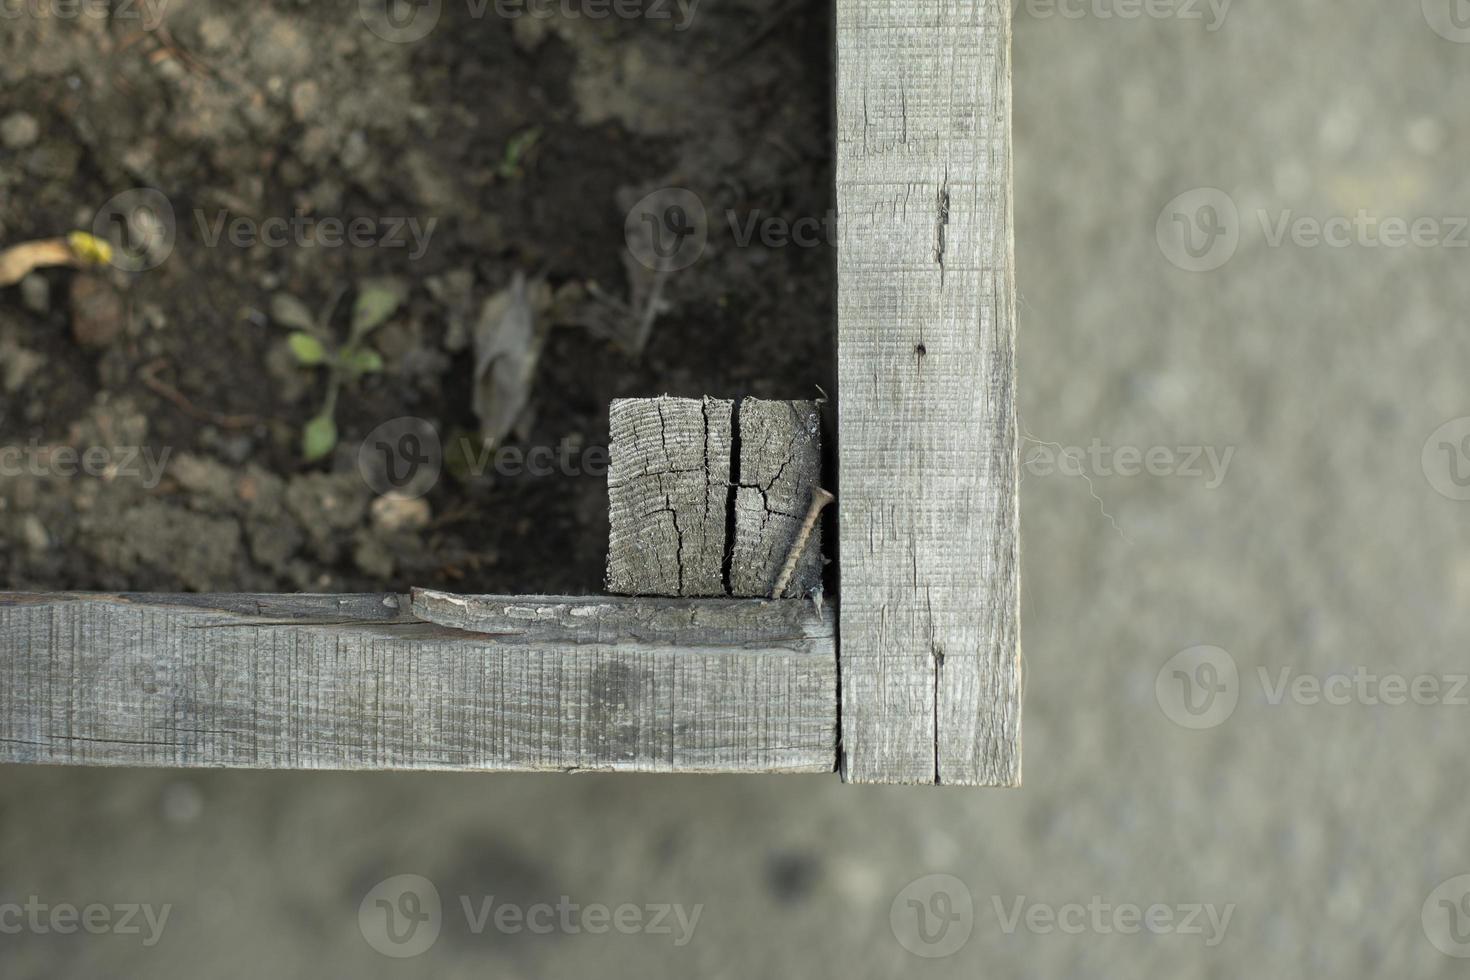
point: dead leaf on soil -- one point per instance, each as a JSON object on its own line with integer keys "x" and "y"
{"x": 508, "y": 342}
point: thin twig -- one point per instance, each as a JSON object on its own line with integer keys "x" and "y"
{"x": 149, "y": 376}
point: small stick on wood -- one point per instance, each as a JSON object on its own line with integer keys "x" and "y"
{"x": 820, "y": 498}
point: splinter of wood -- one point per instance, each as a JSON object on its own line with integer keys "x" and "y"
{"x": 820, "y": 499}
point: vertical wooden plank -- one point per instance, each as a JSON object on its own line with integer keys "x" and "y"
{"x": 929, "y": 646}
{"x": 780, "y": 465}
{"x": 668, "y": 487}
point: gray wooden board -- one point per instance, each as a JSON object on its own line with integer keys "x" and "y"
{"x": 362, "y": 682}
{"x": 929, "y": 577}
{"x": 780, "y": 464}
{"x": 668, "y": 485}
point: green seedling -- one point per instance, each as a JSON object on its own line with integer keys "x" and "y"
{"x": 313, "y": 344}
{"x": 516, "y": 150}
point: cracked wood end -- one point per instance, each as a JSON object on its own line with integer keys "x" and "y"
{"x": 707, "y": 501}
{"x": 780, "y": 464}
{"x": 668, "y": 496}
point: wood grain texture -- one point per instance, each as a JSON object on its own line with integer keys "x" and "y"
{"x": 361, "y": 682}
{"x": 615, "y": 620}
{"x": 668, "y": 487}
{"x": 780, "y": 463}
{"x": 929, "y": 577}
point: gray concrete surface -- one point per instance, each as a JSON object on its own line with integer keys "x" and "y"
{"x": 1332, "y": 546}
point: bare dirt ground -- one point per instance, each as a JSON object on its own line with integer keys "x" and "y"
{"x": 491, "y": 146}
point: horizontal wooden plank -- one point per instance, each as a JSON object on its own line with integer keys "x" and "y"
{"x": 425, "y": 682}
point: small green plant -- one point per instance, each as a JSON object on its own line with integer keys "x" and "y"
{"x": 511, "y": 166}
{"x": 313, "y": 344}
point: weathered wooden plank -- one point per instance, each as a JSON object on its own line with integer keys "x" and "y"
{"x": 668, "y": 486}
{"x": 930, "y": 656}
{"x": 780, "y": 464}
{"x": 360, "y": 682}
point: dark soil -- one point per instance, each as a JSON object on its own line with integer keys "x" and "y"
{"x": 299, "y": 110}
